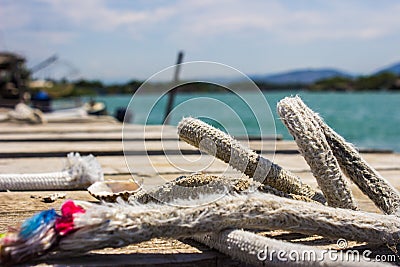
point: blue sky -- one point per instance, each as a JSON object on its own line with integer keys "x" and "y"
{"x": 121, "y": 40}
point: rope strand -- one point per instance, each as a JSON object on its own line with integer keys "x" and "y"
{"x": 120, "y": 224}
{"x": 370, "y": 182}
{"x": 229, "y": 150}
{"x": 316, "y": 151}
{"x": 263, "y": 251}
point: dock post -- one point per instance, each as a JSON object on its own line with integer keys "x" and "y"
{"x": 172, "y": 92}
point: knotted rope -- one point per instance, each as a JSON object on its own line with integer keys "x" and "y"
{"x": 79, "y": 173}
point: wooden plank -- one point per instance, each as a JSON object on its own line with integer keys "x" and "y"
{"x": 113, "y": 165}
{"x": 171, "y": 255}
{"x": 88, "y": 137}
{"x": 79, "y": 127}
{"x": 167, "y": 172}
{"x": 142, "y": 167}
{"x": 16, "y": 206}
{"x": 96, "y": 131}
{"x": 43, "y": 149}
{"x": 381, "y": 162}
{"x": 89, "y": 147}
{"x": 108, "y": 136}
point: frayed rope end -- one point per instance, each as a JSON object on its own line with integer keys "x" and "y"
{"x": 85, "y": 168}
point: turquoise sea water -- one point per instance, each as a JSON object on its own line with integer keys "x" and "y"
{"x": 369, "y": 120}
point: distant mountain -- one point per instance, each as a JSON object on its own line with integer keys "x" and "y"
{"x": 306, "y": 76}
{"x": 395, "y": 69}
{"x": 297, "y": 76}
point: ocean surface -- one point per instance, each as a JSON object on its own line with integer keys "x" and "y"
{"x": 368, "y": 119}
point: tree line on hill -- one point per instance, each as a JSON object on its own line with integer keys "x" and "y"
{"x": 380, "y": 81}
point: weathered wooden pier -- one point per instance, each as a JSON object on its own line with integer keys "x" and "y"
{"x": 41, "y": 148}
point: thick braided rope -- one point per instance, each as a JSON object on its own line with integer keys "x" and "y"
{"x": 79, "y": 173}
{"x": 263, "y": 251}
{"x": 204, "y": 184}
{"x": 229, "y": 150}
{"x": 121, "y": 224}
{"x": 36, "y": 181}
{"x": 316, "y": 151}
{"x": 199, "y": 184}
{"x": 208, "y": 184}
{"x": 191, "y": 187}
{"x": 370, "y": 182}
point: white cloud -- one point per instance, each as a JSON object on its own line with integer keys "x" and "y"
{"x": 58, "y": 19}
{"x": 44, "y": 26}
{"x": 54, "y": 37}
{"x": 207, "y": 19}
{"x": 337, "y": 21}
{"x": 96, "y": 15}
{"x": 10, "y": 16}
